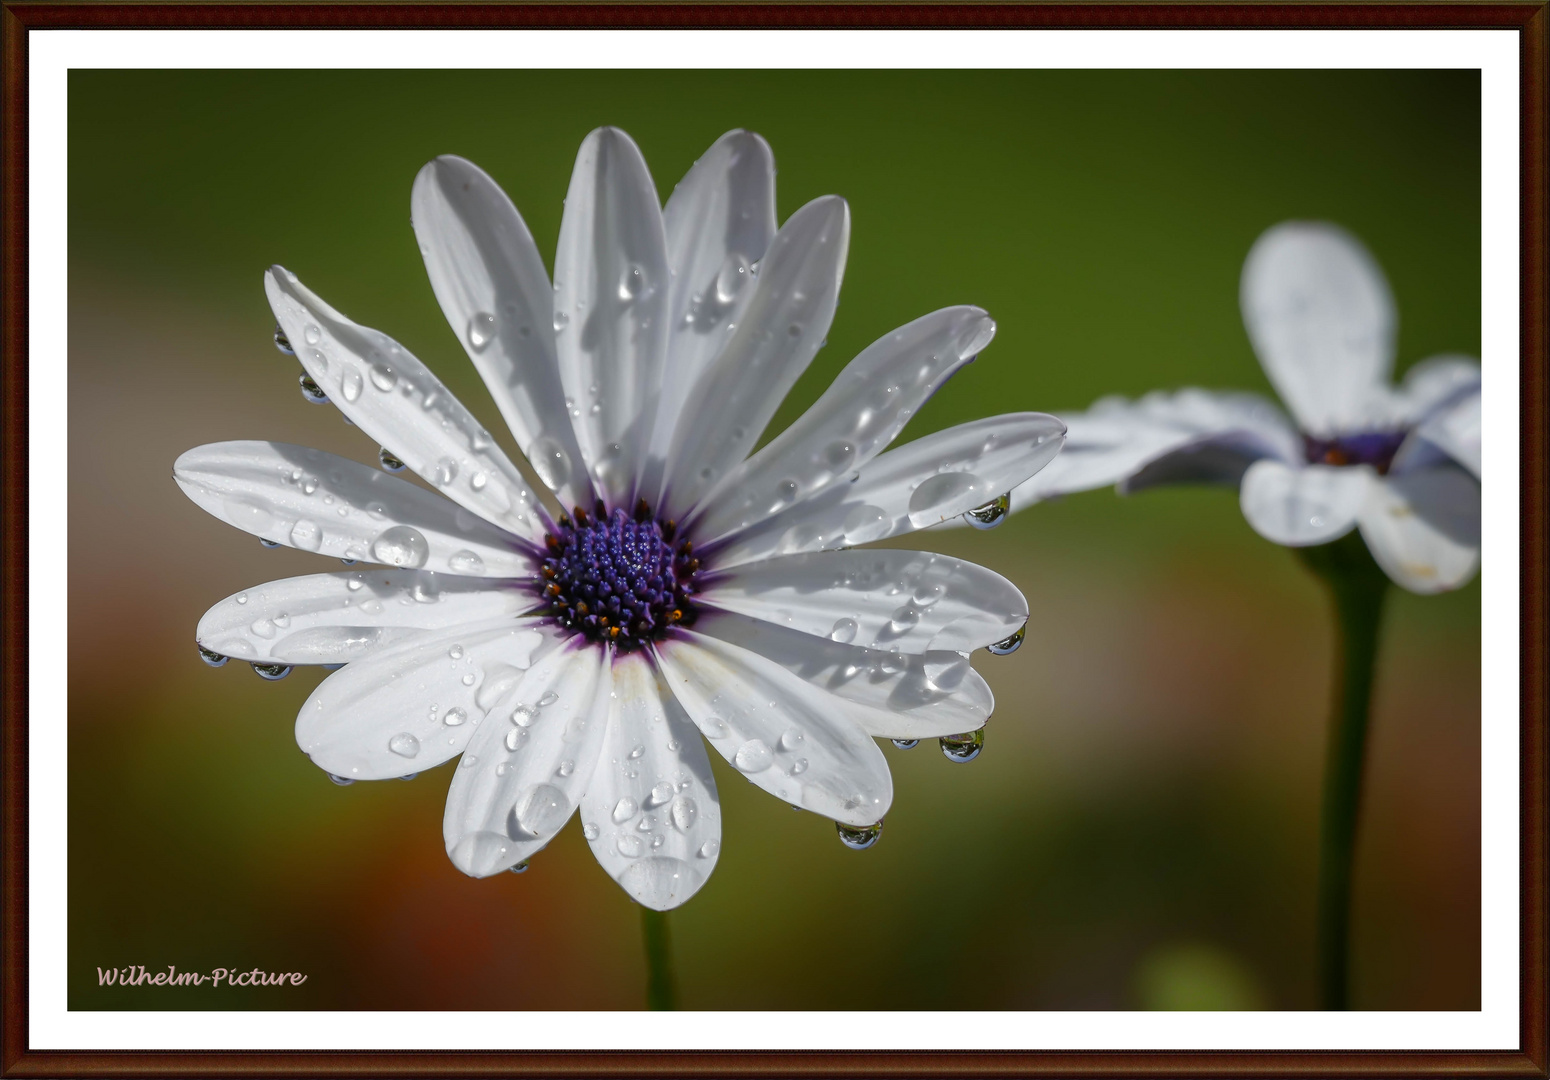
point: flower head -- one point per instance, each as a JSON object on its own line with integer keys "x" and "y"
{"x": 1401, "y": 463}
{"x": 673, "y": 584}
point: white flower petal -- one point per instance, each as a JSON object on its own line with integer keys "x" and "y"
{"x": 611, "y": 290}
{"x": 790, "y": 738}
{"x": 1321, "y": 317}
{"x": 719, "y": 220}
{"x": 1298, "y": 507}
{"x": 411, "y": 706}
{"x": 1423, "y": 528}
{"x": 1435, "y": 383}
{"x": 338, "y": 618}
{"x": 781, "y": 330}
{"x": 529, "y": 763}
{"x": 925, "y": 696}
{"x": 855, "y": 419}
{"x": 1455, "y": 431}
{"x": 914, "y": 486}
{"x": 909, "y": 601}
{"x": 396, "y": 400}
{"x": 650, "y": 812}
{"x": 492, "y": 286}
{"x": 321, "y": 502}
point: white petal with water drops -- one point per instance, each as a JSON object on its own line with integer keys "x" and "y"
{"x": 349, "y": 721}
{"x": 507, "y": 804}
{"x": 655, "y": 811}
{"x": 320, "y": 502}
{"x": 782, "y": 328}
{"x": 894, "y": 696}
{"x": 610, "y": 307}
{"x": 719, "y": 222}
{"x": 909, "y": 601}
{"x": 340, "y": 617}
{"x": 407, "y": 408}
{"x": 493, "y": 288}
{"x": 861, "y": 413}
{"x": 914, "y": 486}
{"x": 1300, "y": 506}
{"x": 836, "y": 770}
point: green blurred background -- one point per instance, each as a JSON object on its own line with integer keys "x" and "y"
{"x": 1140, "y": 830}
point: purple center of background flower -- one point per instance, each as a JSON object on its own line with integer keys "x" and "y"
{"x": 617, "y": 578}
{"x": 1375, "y": 448}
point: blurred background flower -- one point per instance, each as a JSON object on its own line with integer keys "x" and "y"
{"x": 1140, "y": 829}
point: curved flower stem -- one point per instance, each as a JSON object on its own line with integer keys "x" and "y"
{"x": 661, "y": 989}
{"x": 1358, "y": 587}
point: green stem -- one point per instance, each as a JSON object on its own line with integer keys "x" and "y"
{"x": 1358, "y": 587}
{"x": 661, "y": 989}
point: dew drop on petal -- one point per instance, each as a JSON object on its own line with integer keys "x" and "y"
{"x": 523, "y": 715}
{"x": 543, "y": 809}
{"x": 864, "y": 524}
{"x": 709, "y": 849}
{"x": 753, "y": 756}
{"x": 481, "y": 330}
{"x": 549, "y": 698}
{"x": 858, "y": 839}
{"x": 625, "y": 809}
{"x": 661, "y": 793}
{"x": 454, "y": 717}
{"x": 591, "y": 831}
{"x": 684, "y": 813}
{"x": 515, "y": 738}
{"x": 306, "y": 535}
{"x": 383, "y": 377}
{"x": 401, "y": 546}
{"x": 466, "y": 562}
{"x": 631, "y": 847}
{"x": 404, "y": 744}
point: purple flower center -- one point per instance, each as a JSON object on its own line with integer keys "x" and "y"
{"x": 1375, "y": 448}
{"x": 618, "y": 578}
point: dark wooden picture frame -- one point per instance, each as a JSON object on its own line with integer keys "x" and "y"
{"x": 18, "y": 1058}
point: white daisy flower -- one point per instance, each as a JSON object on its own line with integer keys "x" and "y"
{"x": 1401, "y": 463}
{"x": 575, "y": 659}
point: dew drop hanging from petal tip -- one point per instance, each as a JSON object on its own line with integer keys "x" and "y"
{"x": 312, "y": 392}
{"x": 520, "y": 868}
{"x": 389, "y": 460}
{"x": 1009, "y": 645}
{"x": 858, "y": 839}
{"x": 906, "y": 744}
{"x": 991, "y": 514}
{"x": 272, "y": 672}
{"x": 214, "y": 659}
{"x": 963, "y": 748}
{"x": 342, "y": 781}
{"x": 282, "y": 342}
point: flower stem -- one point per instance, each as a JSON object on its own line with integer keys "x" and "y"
{"x": 1358, "y": 586}
{"x": 661, "y": 989}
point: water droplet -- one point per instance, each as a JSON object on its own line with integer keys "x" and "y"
{"x": 790, "y": 739}
{"x": 906, "y": 744}
{"x": 549, "y": 698}
{"x": 715, "y": 727}
{"x": 466, "y": 562}
{"x": 550, "y": 462}
{"x": 306, "y": 535}
{"x": 312, "y": 334}
{"x": 632, "y": 283}
{"x": 637, "y": 752}
{"x": 939, "y": 496}
{"x": 454, "y": 716}
{"x": 965, "y": 747}
{"x": 242, "y": 598}
{"x": 481, "y": 330}
{"x": 342, "y": 781}
{"x": 445, "y": 472}
{"x": 991, "y": 514}
{"x": 660, "y": 882}
{"x": 409, "y": 776}
{"x": 753, "y": 756}
{"x": 858, "y": 839}
{"x": 566, "y": 767}
{"x": 354, "y": 584}
{"x": 404, "y": 744}
{"x": 903, "y": 620}
{"x": 515, "y": 738}
{"x": 469, "y": 761}
{"x": 520, "y": 868}
{"x": 455, "y": 653}
{"x": 631, "y": 847}
{"x": 272, "y": 672}
{"x": 389, "y": 460}
{"x": 312, "y": 392}
{"x": 709, "y": 848}
{"x": 625, "y": 809}
{"x": 523, "y": 715}
{"x": 383, "y": 377}
{"x": 561, "y": 321}
{"x": 469, "y": 679}
{"x": 660, "y": 793}
{"x": 351, "y": 383}
{"x": 731, "y": 278}
{"x": 401, "y": 546}
{"x": 543, "y": 809}
{"x": 864, "y": 524}
{"x": 269, "y": 543}
{"x": 479, "y": 479}
{"x": 214, "y": 659}
{"x": 798, "y": 767}
{"x": 785, "y": 494}
{"x": 1009, "y": 645}
{"x": 591, "y": 831}
{"x": 684, "y": 812}
{"x": 945, "y": 669}
{"x": 282, "y": 620}
{"x": 282, "y": 342}
{"x": 839, "y": 455}
{"x": 927, "y": 594}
